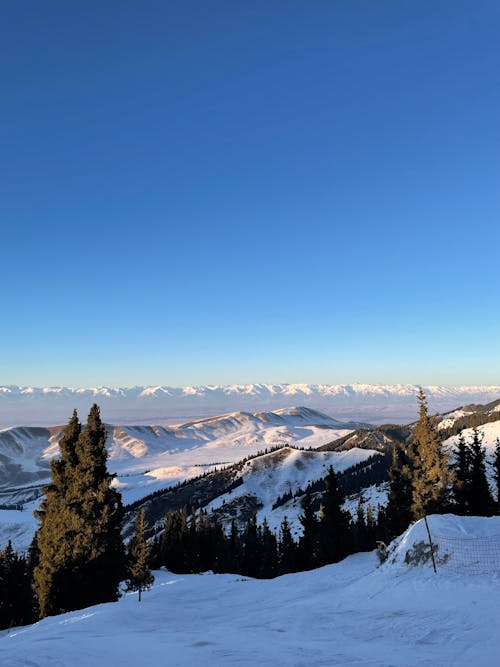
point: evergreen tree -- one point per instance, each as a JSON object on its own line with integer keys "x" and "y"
{"x": 98, "y": 544}
{"x": 269, "y": 553}
{"x": 480, "y": 501}
{"x": 308, "y": 542}
{"x": 363, "y": 543}
{"x": 461, "y": 479}
{"x": 335, "y": 534}
{"x": 17, "y": 605}
{"x": 250, "y": 562}
{"x": 287, "y": 550}
{"x": 53, "y": 573}
{"x": 140, "y": 577}
{"x": 430, "y": 474}
{"x": 79, "y": 543}
{"x": 496, "y": 473}
{"x": 399, "y": 514}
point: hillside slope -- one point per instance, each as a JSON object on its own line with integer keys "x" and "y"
{"x": 352, "y": 613}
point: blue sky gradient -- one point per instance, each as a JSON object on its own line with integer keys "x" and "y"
{"x": 219, "y": 192}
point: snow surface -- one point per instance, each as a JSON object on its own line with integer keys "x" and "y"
{"x": 490, "y": 432}
{"x": 165, "y": 404}
{"x": 352, "y": 614}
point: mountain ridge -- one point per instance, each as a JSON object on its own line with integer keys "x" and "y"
{"x": 164, "y": 404}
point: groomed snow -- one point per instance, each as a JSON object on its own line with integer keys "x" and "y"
{"x": 352, "y": 614}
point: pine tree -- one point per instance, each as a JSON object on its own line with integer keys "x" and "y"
{"x": 461, "y": 479}
{"x": 308, "y": 542}
{"x": 140, "y": 577}
{"x": 362, "y": 539}
{"x": 17, "y": 604}
{"x": 269, "y": 553}
{"x": 430, "y": 474}
{"x": 496, "y": 473}
{"x": 98, "y": 545}
{"x": 53, "y": 573}
{"x": 335, "y": 534}
{"x": 287, "y": 550}
{"x": 79, "y": 543}
{"x": 399, "y": 514}
{"x": 480, "y": 501}
{"x": 251, "y": 555}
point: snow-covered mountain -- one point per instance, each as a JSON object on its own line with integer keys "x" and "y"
{"x": 148, "y": 458}
{"x": 351, "y": 613}
{"x": 165, "y": 404}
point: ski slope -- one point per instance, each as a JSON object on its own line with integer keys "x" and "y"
{"x": 352, "y": 614}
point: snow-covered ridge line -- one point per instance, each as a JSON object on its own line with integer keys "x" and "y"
{"x": 256, "y": 389}
{"x": 162, "y": 404}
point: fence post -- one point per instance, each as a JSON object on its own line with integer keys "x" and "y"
{"x": 431, "y": 544}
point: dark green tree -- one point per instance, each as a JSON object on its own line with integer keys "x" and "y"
{"x": 140, "y": 577}
{"x": 251, "y": 555}
{"x": 287, "y": 550}
{"x": 54, "y": 575}
{"x": 79, "y": 544}
{"x": 98, "y": 545}
{"x": 335, "y": 533}
{"x": 399, "y": 514}
{"x": 269, "y": 553}
{"x": 461, "y": 480}
{"x": 480, "y": 501}
{"x": 17, "y": 604}
{"x": 309, "y": 541}
{"x": 496, "y": 473}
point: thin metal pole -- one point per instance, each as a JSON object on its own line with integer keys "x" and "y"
{"x": 430, "y": 542}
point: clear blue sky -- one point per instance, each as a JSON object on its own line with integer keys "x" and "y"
{"x": 212, "y": 192}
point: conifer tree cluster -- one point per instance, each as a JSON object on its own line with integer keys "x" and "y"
{"x": 17, "y": 602}
{"x": 80, "y": 558}
{"x": 423, "y": 480}
{"x": 196, "y": 542}
{"x": 471, "y": 492}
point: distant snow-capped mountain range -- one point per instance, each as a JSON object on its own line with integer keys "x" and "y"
{"x": 167, "y": 404}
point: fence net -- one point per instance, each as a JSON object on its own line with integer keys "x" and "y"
{"x": 468, "y": 555}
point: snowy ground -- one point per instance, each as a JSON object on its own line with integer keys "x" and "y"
{"x": 353, "y": 614}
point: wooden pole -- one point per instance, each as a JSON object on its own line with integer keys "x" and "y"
{"x": 431, "y": 544}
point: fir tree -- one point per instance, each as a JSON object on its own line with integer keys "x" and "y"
{"x": 308, "y": 543}
{"x": 54, "y": 570}
{"x": 480, "y": 501}
{"x": 461, "y": 479}
{"x": 335, "y": 534}
{"x": 17, "y": 604}
{"x": 140, "y": 577}
{"x": 399, "y": 513}
{"x": 79, "y": 543}
{"x": 287, "y": 550}
{"x": 496, "y": 473}
{"x": 98, "y": 546}
{"x": 250, "y": 562}
{"x": 430, "y": 474}
{"x": 269, "y": 553}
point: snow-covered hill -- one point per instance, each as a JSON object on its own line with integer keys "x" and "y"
{"x": 165, "y": 404}
{"x": 148, "y": 458}
{"x": 351, "y": 613}
{"x": 265, "y": 478}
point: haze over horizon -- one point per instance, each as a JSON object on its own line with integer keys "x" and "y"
{"x": 235, "y": 192}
